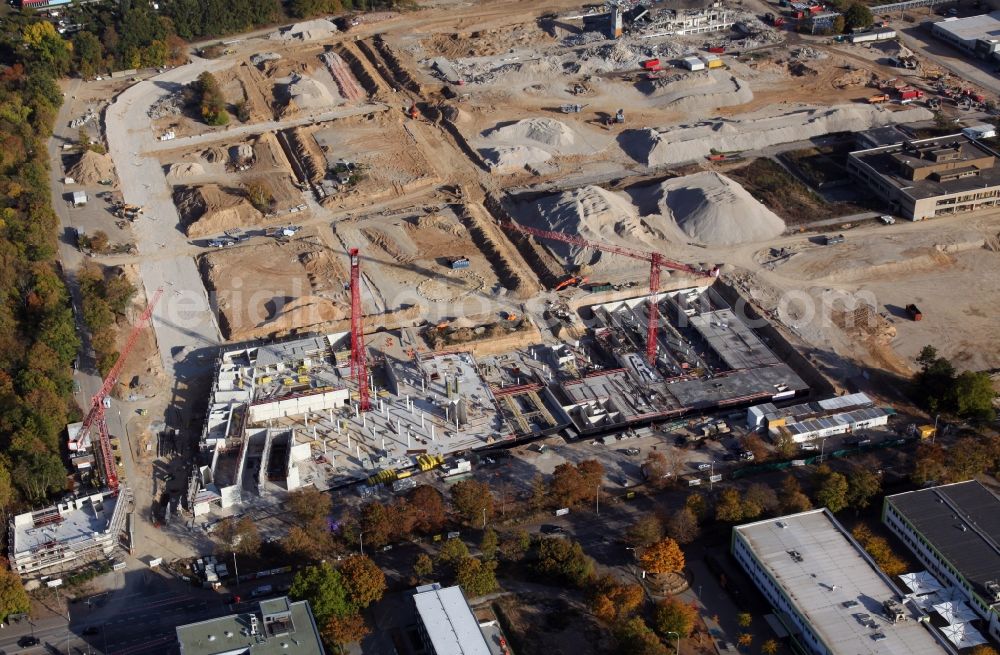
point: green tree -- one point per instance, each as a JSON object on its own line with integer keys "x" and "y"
{"x": 744, "y": 619}
{"x": 839, "y": 27}
{"x": 423, "y": 566}
{"x": 858, "y": 16}
{"x": 472, "y": 500}
{"x": 88, "y": 52}
{"x": 862, "y": 486}
{"x": 563, "y": 560}
{"x": 729, "y": 507}
{"x": 831, "y": 491}
{"x": 514, "y": 547}
{"x": 635, "y": 638}
{"x": 476, "y": 577}
{"x": 13, "y": 598}
{"x": 210, "y": 100}
{"x": 324, "y": 588}
{"x": 674, "y": 615}
{"x": 792, "y": 499}
{"x": 489, "y": 544}
{"x": 452, "y": 552}
{"x": 973, "y": 396}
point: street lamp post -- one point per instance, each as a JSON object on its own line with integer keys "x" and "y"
{"x": 597, "y": 499}
{"x": 934, "y": 434}
{"x": 236, "y": 569}
{"x": 671, "y": 632}
{"x": 711, "y": 477}
{"x": 484, "y": 518}
{"x": 361, "y": 540}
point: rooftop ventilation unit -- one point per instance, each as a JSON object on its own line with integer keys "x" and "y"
{"x": 993, "y": 590}
{"x": 894, "y": 610}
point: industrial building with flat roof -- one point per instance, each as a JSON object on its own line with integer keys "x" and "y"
{"x": 827, "y": 592}
{"x": 930, "y": 177}
{"x": 447, "y": 624}
{"x": 69, "y": 534}
{"x": 277, "y": 627}
{"x": 976, "y": 35}
{"x": 954, "y": 530}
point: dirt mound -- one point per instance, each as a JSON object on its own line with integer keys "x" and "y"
{"x": 91, "y": 168}
{"x": 714, "y": 210}
{"x": 511, "y": 159}
{"x": 695, "y": 142}
{"x": 185, "y": 169}
{"x": 213, "y": 155}
{"x": 592, "y": 213}
{"x": 307, "y": 93}
{"x": 545, "y": 133}
{"x": 208, "y": 210}
{"x": 310, "y": 30}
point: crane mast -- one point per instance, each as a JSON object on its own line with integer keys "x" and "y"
{"x": 657, "y": 262}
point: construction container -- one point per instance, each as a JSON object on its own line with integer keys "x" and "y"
{"x": 598, "y": 288}
{"x": 460, "y": 262}
{"x": 718, "y": 50}
{"x": 693, "y": 64}
{"x": 712, "y": 61}
{"x": 914, "y": 312}
{"x": 832, "y": 240}
{"x": 651, "y": 64}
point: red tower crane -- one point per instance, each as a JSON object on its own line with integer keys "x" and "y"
{"x": 96, "y": 413}
{"x": 656, "y": 262}
{"x": 359, "y": 366}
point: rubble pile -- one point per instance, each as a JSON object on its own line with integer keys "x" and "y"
{"x": 170, "y": 105}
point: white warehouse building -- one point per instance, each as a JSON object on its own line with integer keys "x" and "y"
{"x": 819, "y": 419}
{"x": 827, "y": 593}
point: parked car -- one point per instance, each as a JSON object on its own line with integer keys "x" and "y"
{"x": 28, "y": 640}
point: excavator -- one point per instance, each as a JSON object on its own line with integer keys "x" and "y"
{"x": 571, "y": 281}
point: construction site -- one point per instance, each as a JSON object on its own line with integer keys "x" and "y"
{"x": 427, "y": 236}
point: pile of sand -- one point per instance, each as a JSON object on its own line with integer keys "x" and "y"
{"x": 208, "y": 210}
{"x": 545, "y": 131}
{"x": 694, "y": 93}
{"x": 714, "y": 210}
{"x": 513, "y": 159}
{"x": 91, "y": 168}
{"x": 592, "y": 213}
{"x": 307, "y": 93}
{"x": 184, "y": 169}
{"x": 310, "y": 30}
{"x": 695, "y": 142}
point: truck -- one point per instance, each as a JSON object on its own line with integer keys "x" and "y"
{"x": 878, "y": 98}
{"x": 914, "y": 312}
{"x": 885, "y": 219}
{"x": 909, "y": 94}
{"x": 774, "y": 20}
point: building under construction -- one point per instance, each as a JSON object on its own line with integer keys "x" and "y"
{"x": 70, "y": 534}
{"x": 707, "y": 359}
